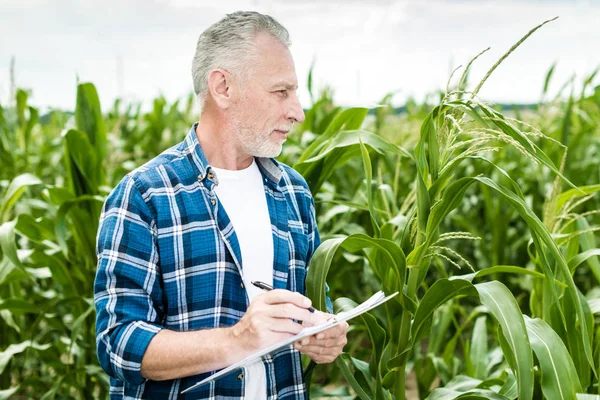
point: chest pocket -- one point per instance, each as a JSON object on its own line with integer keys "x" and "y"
{"x": 299, "y": 243}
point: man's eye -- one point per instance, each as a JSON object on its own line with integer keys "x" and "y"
{"x": 283, "y": 92}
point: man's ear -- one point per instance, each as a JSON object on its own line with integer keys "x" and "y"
{"x": 219, "y": 87}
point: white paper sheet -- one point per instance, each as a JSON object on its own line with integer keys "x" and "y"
{"x": 373, "y": 301}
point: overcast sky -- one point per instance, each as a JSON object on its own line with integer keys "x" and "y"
{"x": 138, "y": 49}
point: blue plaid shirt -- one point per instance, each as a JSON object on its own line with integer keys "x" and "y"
{"x": 168, "y": 257}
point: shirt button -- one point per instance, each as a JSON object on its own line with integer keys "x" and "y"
{"x": 200, "y": 177}
{"x": 241, "y": 376}
{"x": 242, "y": 285}
{"x": 213, "y": 201}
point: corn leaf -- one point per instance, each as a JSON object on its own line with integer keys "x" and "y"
{"x": 479, "y": 348}
{"x": 559, "y": 376}
{"x": 587, "y": 242}
{"x": 89, "y": 119}
{"x": 369, "y": 185}
{"x": 364, "y": 393}
{"x": 349, "y": 119}
{"x": 323, "y": 256}
{"x": 14, "y": 192}
{"x": 13, "y": 349}
{"x": 376, "y": 333}
{"x": 9, "y": 249}
{"x": 562, "y": 198}
{"x": 475, "y": 394}
{"x": 7, "y": 393}
{"x": 541, "y": 235}
{"x": 503, "y": 306}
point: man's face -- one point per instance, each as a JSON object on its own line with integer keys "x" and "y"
{"x": 267, "y": 106}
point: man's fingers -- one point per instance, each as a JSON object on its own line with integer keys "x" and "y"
{"x": 320, "y": 354}
{"x": 328, "y": 343}
{"x": 278, "y": 296}
{"x": 284, "y": 325}
{"x": 334, "y": 332}
{"x": 288, "y": 310}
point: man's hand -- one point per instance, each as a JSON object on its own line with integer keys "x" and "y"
{"x": 268, "y": 320}
{"x": 325, "y": 346}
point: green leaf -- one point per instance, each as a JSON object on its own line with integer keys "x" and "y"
{"x": 509, "y": 269}
{"x": 7, "y": 393}
{"x": 440, "y": 292}
{"x": 541, "y": 235}
{"x": 18, "y": 306}
{"x": 13, "y": 349}
{"x": 26, "y": 130}
{"x": 35, "y": 229}
{"x": 510, "y": 387}
{"x": 61, "y": 274}
{"x": 423, "y": 208}
{"x": 451, "y": 198}
{"x": 503, "y": 306}
{"x": 350, "y": 119}
{"x": 9, "y": 247}
{"x": 323, "y": 256}
{"x": 9, "y": 320}
{"x": 559, "y": 376}
{"x": 341, "y": 148}
{"x": 442, "y": 318}
{"x": 318, "y": 269}
{"x": 588, "y": 255}
{"x": 587, "y": 242}
{"x": 6, "y": 267}
{"x": 81, "y": 157}
{"x": 475, "y": 394}
{"x": 479, "y": 348}
{"x": 89, "y": 119}
{"x": 376, "y": 332}
{"x": 427, "y": 129}
{"x": 594, "y": 306}
{"x": 573, "y": 338}
{"x": 309, "y": 83}
{"x": 548, "y": 77}
{"x": 562, "y": 199}
{"x": 369, "y": 185}
{"x": 463, "y": 383}
{"x": 78, "y": 325}
{"x": 61, "y": 229}
{"x": 51, "y": 394}
{"x": 432, "y": 148}
{"x": 14, "y": 192}
{"x": 363, "y": 392}
{"x": 362, "y": 374}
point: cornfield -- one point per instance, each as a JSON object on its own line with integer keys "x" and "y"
{"x": 484, "y": 219}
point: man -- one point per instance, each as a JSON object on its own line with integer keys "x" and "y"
{"x": 182, "y": 237}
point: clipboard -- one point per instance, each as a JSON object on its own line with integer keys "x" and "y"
{"x": 372, "y": 302}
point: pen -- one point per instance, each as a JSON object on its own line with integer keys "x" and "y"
{"x": 265, "y": 287}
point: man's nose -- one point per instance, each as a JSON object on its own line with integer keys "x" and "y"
{"x": 295, "y": 112}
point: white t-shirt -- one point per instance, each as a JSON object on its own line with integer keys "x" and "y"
{"x": 242, "y": 194}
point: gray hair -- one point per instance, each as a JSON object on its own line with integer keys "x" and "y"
{"x": 228, "y": 44}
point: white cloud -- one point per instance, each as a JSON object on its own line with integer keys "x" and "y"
{"x": 363, "y": 49}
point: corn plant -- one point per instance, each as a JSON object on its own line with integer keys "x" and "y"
{"x": 400, "y": 249}
{"x": 47, "y": 282}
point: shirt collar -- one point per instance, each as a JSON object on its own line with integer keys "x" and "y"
{"x": 269, "y": 167}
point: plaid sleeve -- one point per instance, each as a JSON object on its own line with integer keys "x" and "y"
{"x": 127, "y": 292}
{"x": 314, "y": 242}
